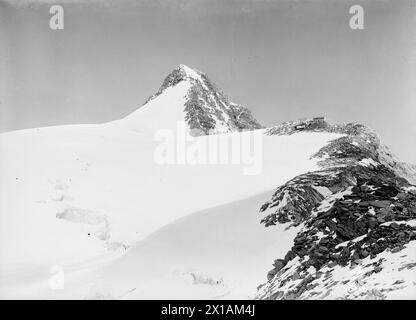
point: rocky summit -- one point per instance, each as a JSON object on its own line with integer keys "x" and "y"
{"x": 356, "y": 217}
{"x": 207, "y": 109}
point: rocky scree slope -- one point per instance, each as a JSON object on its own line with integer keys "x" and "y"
{"x": 357, "y": 215}
{"x": 207, "y": 109}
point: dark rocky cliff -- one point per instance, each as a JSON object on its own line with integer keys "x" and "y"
{"x": 357, "y": 210}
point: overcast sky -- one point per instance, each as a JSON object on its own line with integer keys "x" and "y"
{"x": 282, "y": 59}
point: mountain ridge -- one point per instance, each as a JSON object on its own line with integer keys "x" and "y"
{"x": 357, "y": 212}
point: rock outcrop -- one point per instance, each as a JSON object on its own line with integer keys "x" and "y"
{"x": 358, "y": 211}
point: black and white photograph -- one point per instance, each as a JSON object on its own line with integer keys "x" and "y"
{"x": 209, "y": 150}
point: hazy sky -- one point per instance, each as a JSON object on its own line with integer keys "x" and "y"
{"x": 282, "y": 59}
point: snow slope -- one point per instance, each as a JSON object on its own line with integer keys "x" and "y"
{"x": 78, "y": 196}
{"x": 73, "y": 193}
{"x": 162, "y": 112}
{"x": 204, "y": 255}
{"x": 219, "y": 252}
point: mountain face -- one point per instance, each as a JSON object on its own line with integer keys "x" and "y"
{"x": 357, "y": 215}
{"x": 203, "y": 106}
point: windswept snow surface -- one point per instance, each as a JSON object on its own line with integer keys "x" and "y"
{"x": 76, "y": 196}
{"x": 221, "y": 252}
{"x": 162, "y": 112}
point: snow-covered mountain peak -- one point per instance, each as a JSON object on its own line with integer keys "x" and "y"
{"x": 180, "y": 74}
{"x": 188, "y": 95}
{"x": 190, "y": 73}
